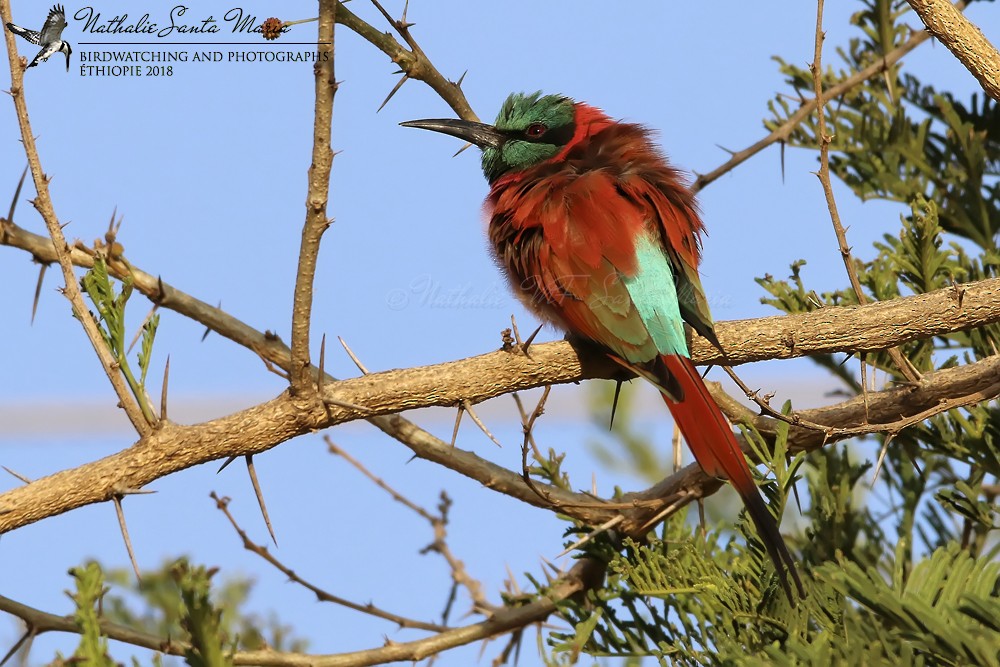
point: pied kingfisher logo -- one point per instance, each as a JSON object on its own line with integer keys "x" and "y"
{"x": 49, "y": 37}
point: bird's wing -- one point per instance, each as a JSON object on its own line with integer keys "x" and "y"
{"x": 679, "y": 226}
{"x": 54, "y": 24}
{"x": 30, "y": 35}
{"x": 601, "y": 268}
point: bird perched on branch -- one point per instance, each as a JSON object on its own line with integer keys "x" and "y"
{"x": 600, "y": 236}
{"x": 49, "y": 37}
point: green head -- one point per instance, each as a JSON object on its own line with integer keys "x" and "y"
{"x": 529, "y": 129}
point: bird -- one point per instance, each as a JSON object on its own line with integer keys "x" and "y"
{"x": 599, "y": 235}
{"x": 49, "y": 37}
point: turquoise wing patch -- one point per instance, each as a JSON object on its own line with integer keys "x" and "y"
{"x": 654, "y": 294}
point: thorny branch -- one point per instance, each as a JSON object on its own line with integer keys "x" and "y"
{"x": 848, "y": 328}
{"x": 439, "y": 524}
{"x": 902, "y": 363}
{"x": 967, "y": 42}
{"x": 585, "y": 574}
{"x": 318, "y": 196}
{"x": 783, "y": 132}
{"x": 323, "y": 596}
{"x": 886, "y": 411}
{"x": 173, "y": 447}
{"x": 60, "y": 249}
{"x": 413, "y": 63}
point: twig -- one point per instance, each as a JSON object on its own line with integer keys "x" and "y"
{"x": 439, "y": 524}
{"x": 459, "y": 575}
{"x": 766, "y": 408}
{"x": 414, "y": 62}
{"x": 524, "y": 423}
{"x": 527, "y": 426}
{"x": 585, "y": 574}
{"x": 693, "y": 480}
{"x": 904, "y": 366}
{"x": 323, "y": 596}
{"x": 893, "y": 427}
{"x": 43, "y": 204}
{"x": 782, "y": 133}
{"x": 398, "y": 497}
{"x": 316, "y": 222}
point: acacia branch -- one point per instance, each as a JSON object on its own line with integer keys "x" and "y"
{"x": 870, "y": 327}
{"x": 263, "y": 552}
{"x": 382, "y": 395}
{"x": 316, "y": 221}
{"x": 272, "y": 351}
{"x": 783, "y": 132}
{"x": 439, "y": 524}
{"x": 41, "y": 622}
{"x": 413, "y": 63}
{"x": 964, "y": 40}
{"x": 586, "y": 574}
{"x": 903, "y": 364}
{"x": 891, "y": 410}
{"x": 874, "y": 326}
{"x": 60, "y": 249}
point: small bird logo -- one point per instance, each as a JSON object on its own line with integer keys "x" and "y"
{"x": 49, "y": 37}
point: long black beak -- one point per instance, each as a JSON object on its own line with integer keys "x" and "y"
{"x": 480, "y": 134}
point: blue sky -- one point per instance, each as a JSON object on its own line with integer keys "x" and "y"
{"x": 208, "y": 168}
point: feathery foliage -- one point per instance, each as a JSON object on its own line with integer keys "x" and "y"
{"x": 110, "y": 319}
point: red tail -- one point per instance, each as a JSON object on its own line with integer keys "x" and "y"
{"x": 713, "y": 444}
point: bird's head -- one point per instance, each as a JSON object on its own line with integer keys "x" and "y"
{"x": 529, "y": 129}
{"x": 67, "y": 49}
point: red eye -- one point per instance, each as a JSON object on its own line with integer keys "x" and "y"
{"x": 535, "y": 130}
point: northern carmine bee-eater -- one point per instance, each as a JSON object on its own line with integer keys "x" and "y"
{"x": 600, "y": 236}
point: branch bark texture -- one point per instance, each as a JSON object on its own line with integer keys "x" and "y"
{"x": 966, "y": 41}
